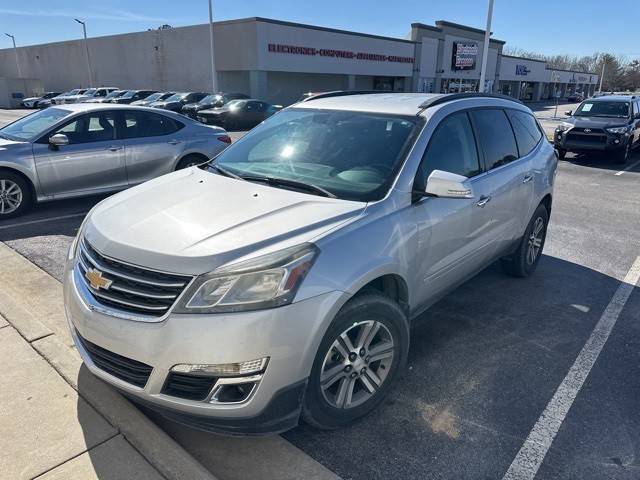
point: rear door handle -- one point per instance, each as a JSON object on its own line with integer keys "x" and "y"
{"x": 483, "y": 201}
{"x": 527, "y": 178}
{"x": 115, "y": 148}
{"x": 174, "y": 142}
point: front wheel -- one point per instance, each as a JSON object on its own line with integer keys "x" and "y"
{"x": 15, "y": 195}
{"x": 359, "y": 359}
{"x": 622, "y": 156}
{"x": 526, "y": 258}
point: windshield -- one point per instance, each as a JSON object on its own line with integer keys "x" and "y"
{"x": 75, "y": 91}
{"x": 210, "y": 99}
{"x": 153, "y": 97}
{"x": 32, "y": 126}
{"x": 176, "y": 97}
{"x": 91, "y": 91}
{"x": 235, "y": 104}
{"x": 603, "y": 109}
{"x": 115, "y": 93}
{"x": 353, "y": 155}
{"x": 129, "y": 94}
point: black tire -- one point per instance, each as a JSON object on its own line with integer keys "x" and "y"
{"x": 623, "y": 155}
{"x": 561, "y": 153}
{"x": 365, "y": 308}
{"x": 190, "y": 161}
{"x": 519, "y": 264}
{"x": 8, "y": 195}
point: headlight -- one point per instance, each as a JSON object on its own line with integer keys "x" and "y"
{"x": 564, "y": 126}
{"x": 618, "y": 130}
{"x": 265, "y": 282}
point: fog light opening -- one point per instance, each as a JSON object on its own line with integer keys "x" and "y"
{"x": 235, "y": 391}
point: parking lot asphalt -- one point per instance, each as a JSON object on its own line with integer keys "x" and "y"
{"x": 486, "y": 360}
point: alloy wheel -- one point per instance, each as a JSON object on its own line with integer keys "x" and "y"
{"x": 535, "y": 241}
{"x": 10, "y": 196}
{"x": 357, "y": 364}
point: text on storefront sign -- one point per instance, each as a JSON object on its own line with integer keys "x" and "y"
{"x": 330, "y": 52}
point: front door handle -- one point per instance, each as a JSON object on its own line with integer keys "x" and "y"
{"x": 483, "y": 201}
{"x": 114, "y": 148}
{"x": 527, "y": 178}
{"x": 174, "y": 142}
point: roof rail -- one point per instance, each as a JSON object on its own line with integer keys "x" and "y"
{"x": 344, "y": 93}
{"x": 450, "y": 97}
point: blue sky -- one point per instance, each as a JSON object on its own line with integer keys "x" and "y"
{"x": 545, "y": 26}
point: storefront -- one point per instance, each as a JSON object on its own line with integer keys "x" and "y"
{"x": 278, "y": 61}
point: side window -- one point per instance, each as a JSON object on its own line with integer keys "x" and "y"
{"x": 452, "y": 148}
{"x": 495, "y": 136}
{"x": 526, "y": 130}
{"x": 92, "y": 127}
{"x": 250, "y": 107}
{"x": 146, "y": 124}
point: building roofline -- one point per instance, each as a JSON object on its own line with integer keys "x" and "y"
{"x": 311, "y": 27}
{"x": 524, "y": 58}
{"x": 469, "y": 29}
{"x": 426, "y": 27}
{"x": 571, "y": 71}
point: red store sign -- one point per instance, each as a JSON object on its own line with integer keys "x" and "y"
{"x": 330, "y": 52}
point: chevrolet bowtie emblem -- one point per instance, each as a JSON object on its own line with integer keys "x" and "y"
{"x": 96, "y": 280}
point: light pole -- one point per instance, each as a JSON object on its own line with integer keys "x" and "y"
{"x": 485, "y": 49}
{"x": 604, "y": 62}
{"x": 15, "y": 50}
{"x": 213, "y": 67}
{"x": 86, "y": 49}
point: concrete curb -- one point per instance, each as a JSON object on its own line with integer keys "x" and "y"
{"x": 46, "y": 337}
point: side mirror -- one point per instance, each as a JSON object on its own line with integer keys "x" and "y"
{"x": 58, "y": 140}
{"x": 448, "y": 185}
{"x": 568, "y": 113}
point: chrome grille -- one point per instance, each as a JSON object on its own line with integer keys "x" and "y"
{"x": 132, "y": 289}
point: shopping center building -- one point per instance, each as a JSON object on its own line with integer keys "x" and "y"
{"x": 277, "y": 61}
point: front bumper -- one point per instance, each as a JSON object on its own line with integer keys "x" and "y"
{"x": 288, "y": 335}
{"x": 599, "y": 142}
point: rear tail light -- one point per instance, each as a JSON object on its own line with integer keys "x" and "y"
{"x": 224, "y": 138}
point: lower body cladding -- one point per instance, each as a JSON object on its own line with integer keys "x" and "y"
{"x": 147, "y": 361}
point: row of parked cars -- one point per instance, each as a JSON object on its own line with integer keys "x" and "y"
{"x": 228, "y": 110}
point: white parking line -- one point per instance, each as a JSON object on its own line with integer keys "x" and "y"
{"x": 628, "y": 168}
{"x": 532, "y": 453}
{"x": 42, "y": 220}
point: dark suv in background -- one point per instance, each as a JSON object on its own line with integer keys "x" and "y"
{"x": 610, "y": 123}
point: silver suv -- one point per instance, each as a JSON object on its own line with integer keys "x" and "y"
{"x": 280, "y": 281}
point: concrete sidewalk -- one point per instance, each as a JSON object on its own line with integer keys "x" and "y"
{"x": 57, "y": 421}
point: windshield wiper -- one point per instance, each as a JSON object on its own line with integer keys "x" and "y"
{"x": 225, "y": 172}
{"x": 274, "y": 181}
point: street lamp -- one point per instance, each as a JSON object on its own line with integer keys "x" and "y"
{"x": 213, "y": 68}
{"x": 15, "y": 50}
{"x": 86, "y": 48}
{"x": 485, "y": 49}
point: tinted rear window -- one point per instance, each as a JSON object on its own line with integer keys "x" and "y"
{"x": 495, "y": 136}
{"x": 528, "y": 134}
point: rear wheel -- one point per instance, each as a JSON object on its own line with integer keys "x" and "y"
{"x": 15, "y": 195}
{"x": 526, "y": 258}
{"x": 190, "y": 161}
{"x": 358, "y": 361}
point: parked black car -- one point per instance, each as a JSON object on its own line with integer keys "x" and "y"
{"x": 575, "y": 97}
{"x": 238, "y": 114}
{"x": 211, "y": 101}
{"x": 610, "y": 124}
{"x": 154, "y": 97}
{"x": 179, "y": 100}
{"x": 132, "y": 96}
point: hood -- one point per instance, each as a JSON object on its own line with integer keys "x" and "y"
{"x": 215, "y": 111}
{"x": 192, "y": 221}
{"x": 30, "y": 99}
{"x": 596, "y": 122}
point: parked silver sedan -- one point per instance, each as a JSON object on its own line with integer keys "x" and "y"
{"x": 85, "y": 149}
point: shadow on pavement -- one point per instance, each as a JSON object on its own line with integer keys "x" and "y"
{"x": 605, "y": 161}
